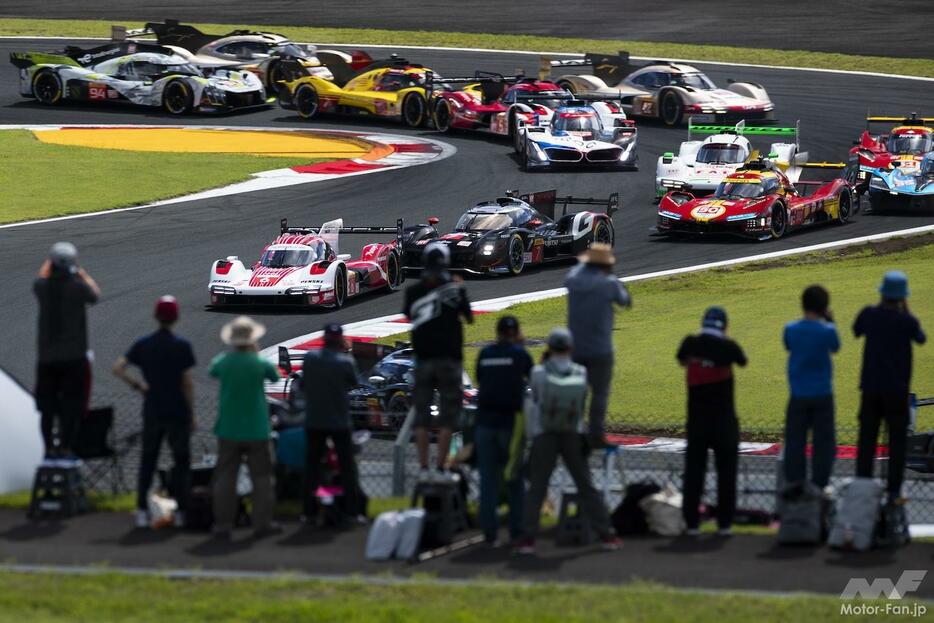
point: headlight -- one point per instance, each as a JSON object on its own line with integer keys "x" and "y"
{"x": 487, "y": 248}
{"x": 538, "y": 153}
{"x": 878, "y": 182}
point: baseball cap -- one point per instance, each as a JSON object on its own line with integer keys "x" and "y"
{"x": 507, "y": 324}
{"x": 166, "y": 309}
{"x": 63, "y": 254}
{"x": 333, "y": 329}
{"x": 714, "y": 318}
{"x": 559, "y": 339}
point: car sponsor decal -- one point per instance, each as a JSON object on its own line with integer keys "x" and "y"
{"x": 708, "y": 211}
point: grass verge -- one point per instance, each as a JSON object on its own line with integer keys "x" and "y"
{"x": 52, "y": 598}
{"x": 102, "y": 179}
{"x": 759, "y": 56}
{"x": 648, "y": 393}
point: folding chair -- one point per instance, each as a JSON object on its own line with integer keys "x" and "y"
{"x": 97, "y": 445}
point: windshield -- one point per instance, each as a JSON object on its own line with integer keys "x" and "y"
{"x": 284, "y": 258}
{"x": 909, "y": 144}
{"x": 145, "y": 68}
{"x": 548, "y": 99}
{"x": 576, "y": 122}
{"x": 291, "y": 49}
{"x": 720, "y": 154}
{"x": 739, "y": 190}
{"x": 474, "y": 221}
{"x": 392, "y": 371}
{"x": 696, "y": 81}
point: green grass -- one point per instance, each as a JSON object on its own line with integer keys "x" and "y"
{"x": 101, "y": 179}
{"x": 648, "y": 391}
{"x": 112, "y": 597}
{"x": 795, "y": 58}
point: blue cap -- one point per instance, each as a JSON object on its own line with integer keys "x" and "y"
{"x": 894, "y": 286}
{"x": 714, "y": 318}
{"x": 333, "y": 330}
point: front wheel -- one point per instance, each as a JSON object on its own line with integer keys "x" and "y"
{"x": 306, "y": 101}
{"x": 443, "y": 116}
{"x": 844, "y": 209}
{"x": 273, "y": 77}
{"x": 515, "y": 254}
{"x": 340, "y": 288}
{"x": 414, "y": 110}
{"x": 779, "y": 221}
{"x": 47, "y": 87}
{"x": 177, "y": 98}
{"x": 393, "y": 272}
{"x": 670, "y": 108}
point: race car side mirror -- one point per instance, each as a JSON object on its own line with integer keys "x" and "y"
{"x": 667, "y": 157}
{"x": 433, "y": 220}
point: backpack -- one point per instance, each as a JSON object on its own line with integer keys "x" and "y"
{"x": 663, "y": 511}
{"x": 802, "y": 515}
{"x": 561, "y": 407}
{"x": 856, "y": 515}
{"x": 384, "y": 536}
{"x": 629, "y": 518}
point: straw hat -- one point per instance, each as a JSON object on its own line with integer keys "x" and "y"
{"x": 242, "y": 331}
{"x": 599, "y": 254}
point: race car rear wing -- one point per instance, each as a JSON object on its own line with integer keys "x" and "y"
{"x": 334, "y": 228}
{"x": 24, "y": 60}
{"x": 546, "y": 202}
{"x": 741, "y": 129}
{"x": 492, "y": 84}
{"x": 609, "y": 68}
{"x": 912, "y": 119}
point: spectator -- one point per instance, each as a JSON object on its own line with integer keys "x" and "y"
{"x": 559, "y": 391}
{"x": 886, "y": 377}
{"x": 165, "y": 361}
{"x": 810, "y": 342}
{"x": 502, "y": 375}
{"x": 328, "y": 374}
{"x": 712, "y": 423}
{"x": 592, "y": 292}
{"x": 63, "y": 373}
{"x": 435, "y": 306}
{"x": 242, "y": 427}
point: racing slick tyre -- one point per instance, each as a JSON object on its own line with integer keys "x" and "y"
{"x": 515, "y": 254}
{"x": 518, "y": 142}
{"x": 306, "y": 101}
{"x": 779, "y": 221}
{"x": 398, "y": 409}
{"x": 414, "y": 110}
{"x": 670, "y": 108}
{"x": 393, "y": 272}
{"x": 442, "y": 115}
{"x": 340, "y": 288}
{"x": 603, "y": 233}
{"x": 273, "y": 76}
{"x": 567, "y": 86}
{"x": 844, "y": 210}
{"x": 177, "y": 97}
{"x": 47, "y": 87}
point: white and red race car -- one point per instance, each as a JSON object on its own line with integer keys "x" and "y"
{"x": 304, "y": 267}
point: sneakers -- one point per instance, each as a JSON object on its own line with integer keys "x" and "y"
{"x": 272, "y": 529}
{"x": 438, "y": 476}
{"x": 691, "y": 532}
{"x": 610, "y": 543}
{"x": 524, "y": 547}
{"x": 142, "y": 519}
{"x": 725, "y": 532}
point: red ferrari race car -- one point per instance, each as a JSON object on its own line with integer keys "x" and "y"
{"x": 908, "y": 141}
{"x": 757, "y": 201}
{"x": 305, "y": 267}
{"x": 494, "y": 103}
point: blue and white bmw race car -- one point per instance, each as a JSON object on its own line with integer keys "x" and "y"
{"x": 592, "y": 134}
{"x": 909, "y": 185}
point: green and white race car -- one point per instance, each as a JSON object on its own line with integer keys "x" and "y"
{"x": 137, "y": 73}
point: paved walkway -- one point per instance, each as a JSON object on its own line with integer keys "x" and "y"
{"x": 740, "y": 562}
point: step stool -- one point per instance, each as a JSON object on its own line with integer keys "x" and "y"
{"x": 445, "y": 512}
{"x": 574, "y": 527}
{"x": 57, "y": 492}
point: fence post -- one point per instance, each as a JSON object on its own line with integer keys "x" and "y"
{"x": 398, "y": 454}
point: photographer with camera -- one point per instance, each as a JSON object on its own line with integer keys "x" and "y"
{"x": 810, "y": 342}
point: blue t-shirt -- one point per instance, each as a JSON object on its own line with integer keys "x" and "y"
{"x": 163, "y": 357}
{"x": 810, "y": 344}
{"x": 502, "y": 375}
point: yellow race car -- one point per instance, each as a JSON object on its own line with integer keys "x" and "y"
{"x": 393, "y": 88}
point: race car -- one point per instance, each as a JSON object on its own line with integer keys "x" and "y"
{"x": 700, "y": 165}
{"x": 304, "y": 267}
{"x": 257, "y": 52}
{"x": 594, "y": 134}
{"x": 905, "y": 143}
{"x": 138, "y": 73}
{"x": 393, "y": 88}
{"x": 664, "y": 90}
{"x": 504, "y": 236}
{"x": 493, "y": 103}
{"x": 758, "y": 201}
{"x": 908, "y": 185}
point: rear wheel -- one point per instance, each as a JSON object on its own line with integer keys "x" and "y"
{"x": 567, "y": 86}
{"x": 515, "y": 254}
{"x": 779, "y": 221}
{"x": 602, "y": 233}
{"x": 670, "y": 108}
{"x": 177, "y": 98}
{"x": 306, "y": 101}
{"x": 845, "y": 208}
{"x": 47, "y": 87}
{"x": 414, "y": 110}
{"x": 443, "y": 115}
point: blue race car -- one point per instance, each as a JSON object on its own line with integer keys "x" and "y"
{"x": 909, "y": 185}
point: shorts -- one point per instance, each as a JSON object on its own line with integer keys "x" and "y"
{"x": 444, "y": 375}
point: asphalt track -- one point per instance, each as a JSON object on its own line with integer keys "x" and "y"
{"x": 899, "y": 29}
{"x": 139, "y": 255}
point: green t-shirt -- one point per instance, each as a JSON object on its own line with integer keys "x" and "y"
{"x": 243, "y": 414}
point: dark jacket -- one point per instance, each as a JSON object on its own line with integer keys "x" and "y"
{"x": 327, "y": 376}
{"x": 63, "y": 332}
{"x": 709, "y": 360}
{"x": 435, "y": 309}
{"x": 887, "y": 354}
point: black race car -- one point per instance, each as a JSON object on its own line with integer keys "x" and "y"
{"x": 506, "y": 235}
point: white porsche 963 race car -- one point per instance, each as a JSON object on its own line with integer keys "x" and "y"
{"x": 303, "y": 266}
{"x": 142, "y": 74}
{"x": 700, "y": 165}
{"x": 588, "y": 134}
{"x": 664, "y": 90}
